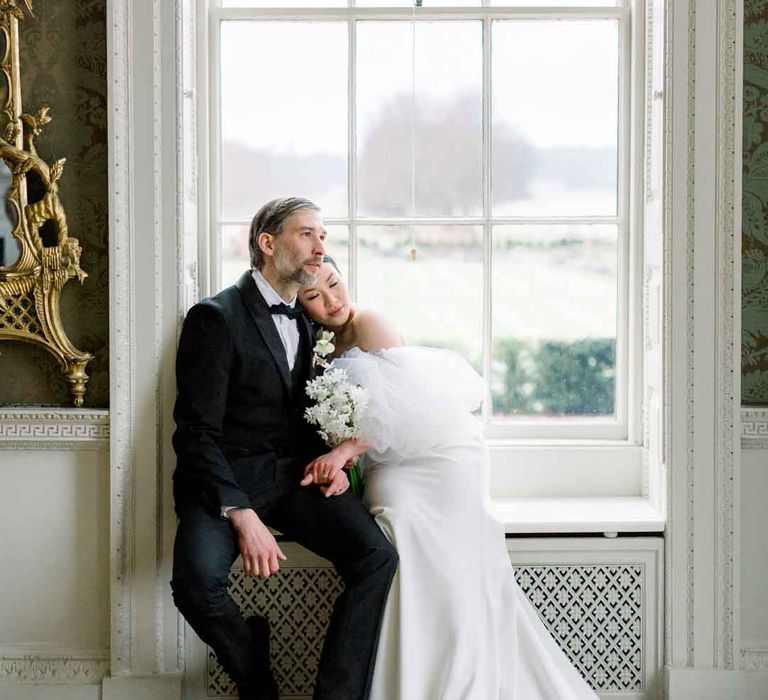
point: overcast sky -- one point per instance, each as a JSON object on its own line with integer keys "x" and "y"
{"x": 284, "y": 85}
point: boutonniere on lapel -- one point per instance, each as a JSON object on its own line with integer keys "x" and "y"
{"x": 323, "y": 348}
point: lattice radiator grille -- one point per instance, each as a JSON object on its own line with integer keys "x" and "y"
{"x": 594, "y": 612}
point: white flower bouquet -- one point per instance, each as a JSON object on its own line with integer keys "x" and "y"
{"x": 337, "y": 411}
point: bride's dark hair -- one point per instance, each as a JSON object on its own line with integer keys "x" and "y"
{"x": 328, "y": 259}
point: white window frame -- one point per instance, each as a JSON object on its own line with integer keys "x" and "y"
{"x": 530, "y": 459}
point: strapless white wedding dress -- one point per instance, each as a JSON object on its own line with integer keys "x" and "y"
{"x": 456, "y": 625}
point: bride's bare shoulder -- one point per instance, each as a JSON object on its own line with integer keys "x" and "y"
{"x": 374, "y": 331}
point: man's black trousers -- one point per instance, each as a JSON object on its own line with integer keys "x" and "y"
{"x": 337, "y": 528}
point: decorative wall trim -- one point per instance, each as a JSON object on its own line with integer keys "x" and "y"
{"x": 53, "y": 429}
{"x": 121, "y": 312}
{"x": 27, "y": 665}
{"x": 703, "y": 232}
{"x": 754, "y": 427}
{"x": 650, "y": 132}
{"x": 690, "y": 333}
{"x": 666, "y": 319}
{"x": 186, "y": 190}
{"x": 754, "y": 660}
{"x": 159, "y": 384}
{"x": 728, "y": 357}
{"x": 143, "y": 51}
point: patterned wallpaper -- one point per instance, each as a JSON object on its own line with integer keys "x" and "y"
{"x": 754, "y": 347}
{"x": 63, "y": 65}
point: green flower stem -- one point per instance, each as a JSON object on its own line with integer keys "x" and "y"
{"x": 355, "y": 481}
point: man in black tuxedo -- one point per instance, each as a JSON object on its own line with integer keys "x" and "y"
{"x": 243, "y": 361}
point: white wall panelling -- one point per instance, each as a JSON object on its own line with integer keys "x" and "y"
{"x": 144, "y": 72}
{"x": 54, "y": 617}
{"x": 753, "y": 559}
{"x": 703, "y": 96}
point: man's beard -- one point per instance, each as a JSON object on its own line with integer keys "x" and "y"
{"x": 301, "y": 277}
{"x": 298, "y": 275}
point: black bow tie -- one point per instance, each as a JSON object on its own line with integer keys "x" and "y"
{"x": 292, "y": 312}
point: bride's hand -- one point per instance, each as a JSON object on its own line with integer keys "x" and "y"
{"x": 324, "y": 469}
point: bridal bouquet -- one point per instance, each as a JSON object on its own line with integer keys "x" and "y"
{"x": 337, "y": 412}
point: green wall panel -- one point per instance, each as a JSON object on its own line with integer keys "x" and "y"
{"x": 754, "y": 349}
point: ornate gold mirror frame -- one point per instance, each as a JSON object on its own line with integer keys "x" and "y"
{"x": 30, "y": 288}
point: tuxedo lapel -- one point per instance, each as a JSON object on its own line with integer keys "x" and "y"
{"x": 305, "y": 328}
{"x": 259, "y": 310}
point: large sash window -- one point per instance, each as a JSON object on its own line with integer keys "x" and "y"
{"x": 479, "y": 167}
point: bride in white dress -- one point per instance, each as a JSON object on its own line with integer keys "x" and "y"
{"x": 456, "y": 625}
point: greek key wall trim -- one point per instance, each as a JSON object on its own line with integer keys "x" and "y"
{"x": 76, "y": 666}
{"x": 754, "y": 660}
{"x": 597, "y": 612}
{"x": 754, "y": 428}
{"x": 46, "y": 429}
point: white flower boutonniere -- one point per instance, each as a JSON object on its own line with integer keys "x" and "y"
{"x": 323, "y": 347}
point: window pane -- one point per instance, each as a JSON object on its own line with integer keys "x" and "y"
{"x": 337, "y": 246}
{"x": 435, "y": 300}
{"x": 284, "y": 132}
{"x": 411, "y": 3}
{"x": 447, "y": 119}
{"x": 234, "y": 253}
{"x": 554, "y": 320}
{"x": 555, "y": 118}
{"x": 235, "y": 258}
{"x": 557, "y": 3}
{"x": 283, "y": 3}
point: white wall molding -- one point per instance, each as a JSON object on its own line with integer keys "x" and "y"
{"x": 121, "y": 342}
{"x": 666, "y": 40}
{"x": 713, "y": 684}
{"x": 53, "y": 429}
{"x": 29, "y": 664}
{"x": 754, "y": 427}
{"x": 703, "y": 177}
{"x": 144, "y": 74}
{"x": 727, "y": 329}
{"x": 689, "y": 319}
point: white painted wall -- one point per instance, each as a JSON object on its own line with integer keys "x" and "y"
{"x": 54, "y": 572}
{"x": 55, "y": 549}
{"x": 754, "y": 550}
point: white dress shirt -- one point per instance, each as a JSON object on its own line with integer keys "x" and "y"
{"x": 287, "y": 329}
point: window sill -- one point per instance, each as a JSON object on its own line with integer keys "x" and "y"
{"x": 608, "y": 515}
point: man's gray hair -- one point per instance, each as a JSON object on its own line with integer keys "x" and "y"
{"x": 271, "y": 219}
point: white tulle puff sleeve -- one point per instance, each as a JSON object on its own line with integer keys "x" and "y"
{"x": 418, "y": 398}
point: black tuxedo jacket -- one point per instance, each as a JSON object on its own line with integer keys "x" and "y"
{"x": 239, "y": 409}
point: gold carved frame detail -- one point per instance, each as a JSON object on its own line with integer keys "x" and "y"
{"x": 30, "y": 288}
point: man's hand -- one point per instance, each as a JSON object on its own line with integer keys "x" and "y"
{"x": 257, "y": 545}
{"x": 325, "y": 468}
{"x": 339, "y": 485}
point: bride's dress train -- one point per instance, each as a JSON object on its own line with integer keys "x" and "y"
{"x": 457, "y": 626}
